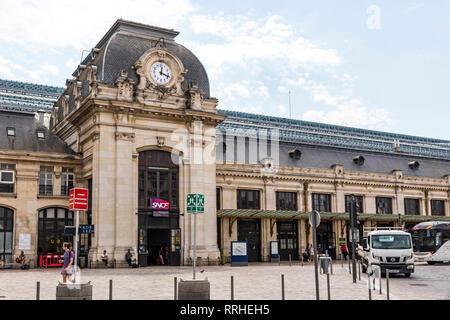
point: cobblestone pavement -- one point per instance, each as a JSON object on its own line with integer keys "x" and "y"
{"x": 256, "y": 282}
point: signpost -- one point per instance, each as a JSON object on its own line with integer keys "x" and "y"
{"x": 353, "y": 225}
{"x": 195, "y": 203}
{"x": 78, "y": 201}
{"x": 314, "y": 221}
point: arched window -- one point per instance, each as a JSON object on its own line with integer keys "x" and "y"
{"x": 6, "y": 233}
{"x": 51, "y": 229}
{"x": 158, "y": 178}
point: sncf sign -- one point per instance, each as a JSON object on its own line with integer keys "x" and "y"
{"x": 78, "y": 199}
{"x": 159, "y": 204}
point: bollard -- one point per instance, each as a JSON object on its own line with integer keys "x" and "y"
{"x": 232, "y": 288}
{"x": 175, "y": 288}
{"x": 110, "y": 289}
{"x": 331, "y": 266}
{"x": 38, "y": 290}
{"x": 279, "y": 260}
{"x": 368, "y": 283}
{"x": 380, "y": 284}
{"x": 282, "y": 287}
{"x": 290, "y": 265}
{"x": 359, "y": 271}
{"x": 387, "y": 283}
{"x": 302, "y": 260}
{"x": 328, "y": 286}
{"x": 349, "y": 268}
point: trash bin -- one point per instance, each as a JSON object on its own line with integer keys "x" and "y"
{"x": 324, "y": 264}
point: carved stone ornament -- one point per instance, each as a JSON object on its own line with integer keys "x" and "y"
{"x": 195, "y": 97}
{"x": 161, "y": 141}
{"x": 125, "y": 87}
{"x": 125, "y": 136}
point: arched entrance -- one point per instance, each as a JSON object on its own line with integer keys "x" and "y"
{"x": 159, "y": 238}
{"x": 51, "y": 230}
{"x": 6, "y": 233}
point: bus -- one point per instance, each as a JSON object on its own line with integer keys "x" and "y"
{"x": 431, "y": 242}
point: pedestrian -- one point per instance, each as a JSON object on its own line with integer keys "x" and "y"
{"x": 67, "y": 262}
{"x": 311, "y": 252}
{"x": 105, "y": 258}
{"x": 344, "y": 251}
{"x": 128, "y": 257}
{"x": 307, "y": 252}
{"x": 21, "y": 259}
{"x": 2, "y": 263}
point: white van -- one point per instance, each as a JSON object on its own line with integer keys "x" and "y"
{"x": 390, "y": 249}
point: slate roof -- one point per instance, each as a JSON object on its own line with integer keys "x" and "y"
{"x": 25, "y": 139}
{"x": 127, "y": 41}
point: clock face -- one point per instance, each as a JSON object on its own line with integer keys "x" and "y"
{"x": 161, "y": 73}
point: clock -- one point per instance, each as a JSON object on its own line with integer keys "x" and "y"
{"x": 161, "y": 73}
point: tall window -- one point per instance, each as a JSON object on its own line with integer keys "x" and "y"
{"x": 51, "y": 229}
{"x": 321, "y": 202}
{"x": 248, "y": 199}
{"x": 359, "y": 201}
{"x": 7, "y": 177}
{"x": 412, "y": 207}
{"x": 218, "y": 198}
{"x": 158, "y": 178}
{"x": 46, "y": 181}
{"x": 384, "y": 205}
{"x": 437, "y": 207}
{"x": 6, "y": 233}
{"x": 67, "y": 179}
{"x": 287, "y": 201}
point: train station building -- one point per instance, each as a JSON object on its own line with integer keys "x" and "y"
{"x": 138, "y": 126}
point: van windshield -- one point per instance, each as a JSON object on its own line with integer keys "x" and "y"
{"x": 396, "y": 241}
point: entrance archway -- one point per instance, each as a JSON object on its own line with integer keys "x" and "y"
{"x": 159, "y": 239}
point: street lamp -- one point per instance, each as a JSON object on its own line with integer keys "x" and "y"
{"x": 400, "y": 220}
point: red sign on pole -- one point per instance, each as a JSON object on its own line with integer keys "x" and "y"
{"x": 78, "y": 199}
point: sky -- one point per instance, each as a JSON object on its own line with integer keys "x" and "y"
{"x": 379, "y": 65}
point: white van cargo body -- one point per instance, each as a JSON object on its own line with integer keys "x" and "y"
{"x": 389, "y": 249}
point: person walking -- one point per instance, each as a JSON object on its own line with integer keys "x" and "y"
{"x": 68, "y": 259}
{"x": 344, "y": 251}
{"x": 311, "y": 252}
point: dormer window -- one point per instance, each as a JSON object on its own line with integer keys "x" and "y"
{"x": 414, "y": 165}
{"x": 359, "y": 160}
{"x": 11, "y": 132}
{"x": 41, "y": 134}
{"x": 295, "y": 154}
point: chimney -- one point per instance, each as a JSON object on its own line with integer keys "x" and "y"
{"x": 41, "y": 116}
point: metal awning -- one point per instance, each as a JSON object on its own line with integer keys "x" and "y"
{"x": 274, "y": 214}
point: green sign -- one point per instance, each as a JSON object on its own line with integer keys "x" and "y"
{"x": 195, "y": 203}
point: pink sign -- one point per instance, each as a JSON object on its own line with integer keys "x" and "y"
{"x": 159, "y": 204}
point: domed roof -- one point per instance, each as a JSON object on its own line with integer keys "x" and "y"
{"x": 127, "y": 41}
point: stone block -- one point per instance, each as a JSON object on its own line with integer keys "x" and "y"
{"x": 194, "y": 290}
{"x": 81, "y": 291}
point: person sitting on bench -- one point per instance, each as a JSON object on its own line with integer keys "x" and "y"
{"x": 2, "y": 263}
{"x": 105, "y": 258}
{"x": 21, "y": 259}
{"x": 128, "y": 257}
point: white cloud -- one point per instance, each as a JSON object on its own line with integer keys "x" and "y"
{"x": 80, "y": 24}
{"x": 241, "y": 41}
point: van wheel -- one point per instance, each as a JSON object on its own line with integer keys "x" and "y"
{"x": 431, "y": 262}
{"x": 407, "y": 275}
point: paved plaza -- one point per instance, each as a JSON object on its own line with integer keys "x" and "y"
{"x": 255, "y": 282}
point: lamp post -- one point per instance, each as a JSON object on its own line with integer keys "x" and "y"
{"x": 400, "y": 220}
